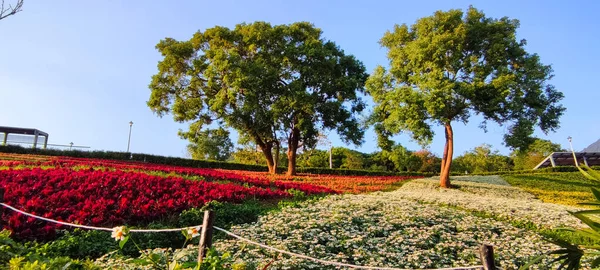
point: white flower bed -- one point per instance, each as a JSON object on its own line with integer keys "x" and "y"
{"x": 502, "y": 201}
{"x": 376, "y": 231}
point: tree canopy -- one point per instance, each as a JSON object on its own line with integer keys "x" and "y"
{"x": 452, "y": 65}
{"x": 209, "y": 144}
{"x": 274, "y": 84}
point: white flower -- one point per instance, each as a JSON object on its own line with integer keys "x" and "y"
{"x": 193, "y": 231}
{"x": 119, "y": 233}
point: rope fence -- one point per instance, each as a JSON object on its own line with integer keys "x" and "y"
{"x": 93, "y": 227}
{"x": 486, "y": 251}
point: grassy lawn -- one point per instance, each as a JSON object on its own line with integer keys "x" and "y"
{"x": 562, "y": 188}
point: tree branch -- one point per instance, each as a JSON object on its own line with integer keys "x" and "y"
{"x": 10, "y": 10}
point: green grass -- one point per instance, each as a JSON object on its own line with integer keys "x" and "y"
{"x": 563, "y": 188}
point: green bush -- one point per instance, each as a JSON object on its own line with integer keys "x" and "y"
{"x": 349, "y": 172}
{"x": 14, "y": 255}
{"x": 226, "y": 214}
{"x": 79, "y": 244}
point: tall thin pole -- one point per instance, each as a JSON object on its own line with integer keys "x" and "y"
{"x": 572, "y": 151}
{"x": 129, "y": 139}
{"x": 330, "y": 157}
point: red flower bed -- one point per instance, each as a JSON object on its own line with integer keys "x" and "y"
{"x": 106, "y": 198}
{"x": 209, "y": 174}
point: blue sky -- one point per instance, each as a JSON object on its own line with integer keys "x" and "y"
{"x": 79, "y": 70}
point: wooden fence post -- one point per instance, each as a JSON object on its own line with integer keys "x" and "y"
{"x": 1, "y": 201}
{"x": 206, "y": 235}
{"x": 486, "y": 253}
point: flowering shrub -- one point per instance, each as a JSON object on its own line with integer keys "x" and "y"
{"x": 107, "y": 198}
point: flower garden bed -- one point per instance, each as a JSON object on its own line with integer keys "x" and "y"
{"x": 399, "y": 229}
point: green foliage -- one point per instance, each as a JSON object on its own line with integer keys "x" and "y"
{"x": 14, "y": 255}
{"x": 8, "y": 247}
{"x": 213, "y": 144}
{"x": 530, "y": 157}
{"x": 359, "y": 172}
{"x": 216, "y": 261}
{"x": 570, "y": 254}
{"x": 569, "y": 188}
{"x": 481, "y": 159}
{"x": 430, "y": 163}
{"x": 248, "y": 156}
{"x": 405, "y": 160}
{"x": 314, "y": 158}
{"x": 451, "y": 65}
{"x": 345, "y": 158}
{"x": 79, "y": 244}
{"x": 268, "y": 82}
{"x": 227, "y": 214}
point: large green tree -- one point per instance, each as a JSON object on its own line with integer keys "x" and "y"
{"x": 212, "y": 144}
{"x": 276, "y": 84}
{"x": 452, "y": 65}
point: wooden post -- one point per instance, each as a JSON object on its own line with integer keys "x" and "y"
{"x": 206, "y": 235}
{"x": 1, "y": 201}
{"x": 486, "y": 253}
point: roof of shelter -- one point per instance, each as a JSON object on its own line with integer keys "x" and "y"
{"x": 24, "y": 131}
{"x": 566, "y": 159}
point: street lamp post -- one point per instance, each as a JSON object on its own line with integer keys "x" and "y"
{"x": 572, "y": 151}
{"x": 129, "y": 139}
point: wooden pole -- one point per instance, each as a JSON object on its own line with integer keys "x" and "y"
{"x": 1, "y": 201}
{"x": 486, "y": 252}
{"x": 206, "y": 235}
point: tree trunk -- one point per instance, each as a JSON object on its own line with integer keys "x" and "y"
{"x": 447, "y": 158}
{"x": 267, "y": 151}
{"x": 291, "y": 153}
{"x": 276, "y": 158}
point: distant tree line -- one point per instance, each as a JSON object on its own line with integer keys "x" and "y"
{"x": 216, "y": 145}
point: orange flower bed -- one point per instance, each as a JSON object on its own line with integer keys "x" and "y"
{"x": 346, "y": 184}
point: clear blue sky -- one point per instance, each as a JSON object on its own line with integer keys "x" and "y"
{"x": 79, "y": 70}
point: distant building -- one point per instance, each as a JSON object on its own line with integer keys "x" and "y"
{"x": 566, "y": 159}
{"x": 590, "y": 156}
{"x": 6, "y": 131}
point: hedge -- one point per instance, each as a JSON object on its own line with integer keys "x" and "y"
{"x": 184, "y": 162}
{"x": 542, "y": 170}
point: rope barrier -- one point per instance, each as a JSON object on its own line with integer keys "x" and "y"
{"x": 232, "y": 235}
{"x": 325, "y": 261}
{"x": 93, "y": 227}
